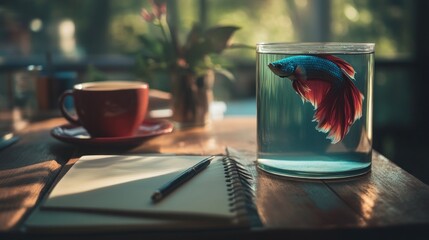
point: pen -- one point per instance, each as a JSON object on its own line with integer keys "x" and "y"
{"x": 179, "y": 180}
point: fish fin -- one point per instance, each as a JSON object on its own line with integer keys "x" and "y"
{"x": 347, "y": 69}
{"x": 338, "y": 110}
{"x": 317, "y": 91}
{"x": 301, "y": 88}
{"x": 310, "y": 90}
{"x": 299, "y": 83}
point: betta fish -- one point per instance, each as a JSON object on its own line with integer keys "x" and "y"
{"x": 326, "y": 82}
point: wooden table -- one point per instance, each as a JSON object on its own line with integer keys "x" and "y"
{"x": 387, "y": 202}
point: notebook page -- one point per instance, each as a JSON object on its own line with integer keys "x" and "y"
{"x": 126, "y": 183}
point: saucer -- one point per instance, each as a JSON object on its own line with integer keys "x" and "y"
{"x": 70, "y": 133}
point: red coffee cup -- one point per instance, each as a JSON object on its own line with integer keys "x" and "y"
{"x": 108, "y": 108}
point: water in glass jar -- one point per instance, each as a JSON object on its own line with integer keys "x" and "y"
{"x": 314, "y": 114}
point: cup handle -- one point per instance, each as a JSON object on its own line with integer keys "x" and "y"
{"x": 63, "y": 110}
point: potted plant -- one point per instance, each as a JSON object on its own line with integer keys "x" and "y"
{"x": 189, "y": 65}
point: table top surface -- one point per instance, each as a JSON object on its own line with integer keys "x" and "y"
{"x": 385, "y": 198}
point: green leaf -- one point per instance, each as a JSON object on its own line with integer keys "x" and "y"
{"x": 241, "y": 46}
{"x": 226, "y": 73}
{"x": 152, "y": 47}
{"x": 217, "y": 38}
{"x": 212, "y": 41}
{"x": 194, "y": 36}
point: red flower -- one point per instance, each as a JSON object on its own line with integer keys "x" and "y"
{"x": 147, "y": 16}
{"x": 158, "y": 7}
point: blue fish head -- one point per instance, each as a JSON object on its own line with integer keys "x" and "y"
{"x": 282, "y": 69}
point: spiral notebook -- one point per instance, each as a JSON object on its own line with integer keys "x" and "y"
{"x": 114, "y": 192}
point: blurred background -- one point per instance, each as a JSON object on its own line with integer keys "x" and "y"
{"x": 72, "y": 41}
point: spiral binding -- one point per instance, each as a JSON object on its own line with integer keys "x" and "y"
{"x": 241, "y": 191}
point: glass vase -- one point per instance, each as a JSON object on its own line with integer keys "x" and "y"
{"x": 191, "y": 99}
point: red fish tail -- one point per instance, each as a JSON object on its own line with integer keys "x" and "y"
{"x": 340, "y": 108}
